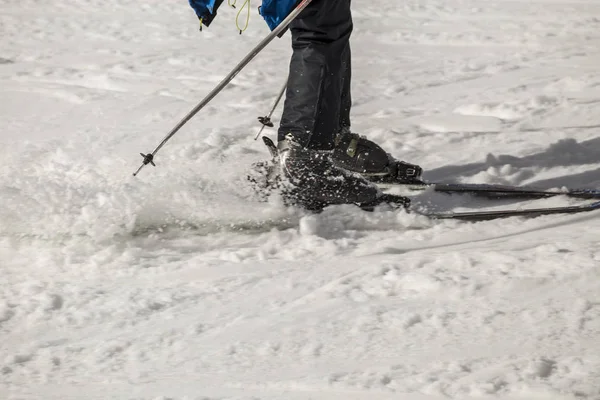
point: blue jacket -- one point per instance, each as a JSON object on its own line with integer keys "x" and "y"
{"x": 273, "y": 11}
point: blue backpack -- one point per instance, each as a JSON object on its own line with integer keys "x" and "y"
{"x": 273, "y": 11}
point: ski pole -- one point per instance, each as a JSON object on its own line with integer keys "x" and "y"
{"x": 149, "y": 158}
{"x": 266, "y": 121}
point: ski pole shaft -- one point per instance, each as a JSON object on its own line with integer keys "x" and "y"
{"x": 266, "y": 121}
{"x": 149, "y": 158}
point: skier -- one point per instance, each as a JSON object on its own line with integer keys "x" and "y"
{"x": 318, "y": 154}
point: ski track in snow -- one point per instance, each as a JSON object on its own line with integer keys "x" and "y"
{"x": 178, "y": 284}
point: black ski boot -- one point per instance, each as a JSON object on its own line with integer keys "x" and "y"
{"x": 317, "y": 182}
{"x": 358, "y": 154}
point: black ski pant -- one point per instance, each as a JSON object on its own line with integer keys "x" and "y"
{"x": 318, "y": 101}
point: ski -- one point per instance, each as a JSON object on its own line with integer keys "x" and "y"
{"x": 497, "y": 214}
{"x": 474, "y": 189}
{"x": 485, "y": 190}
{"x": 494, "y": 191}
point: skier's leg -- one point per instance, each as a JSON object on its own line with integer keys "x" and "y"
{"x": 318, "y": 83}
{"x": 320, "y": 41}
{"x": 352, "y": 152}
{"x": 311, "y": 116}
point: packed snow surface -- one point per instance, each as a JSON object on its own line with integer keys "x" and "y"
{"x": 180, "y": 284}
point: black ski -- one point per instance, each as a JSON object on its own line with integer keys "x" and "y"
{"x": 529, "y": 213}
{"x": 488, "y": 191}
{"x": 495, "y": 191}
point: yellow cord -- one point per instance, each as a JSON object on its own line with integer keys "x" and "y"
{"x": 200, "y": 24}
{"x": 237, "y": 18}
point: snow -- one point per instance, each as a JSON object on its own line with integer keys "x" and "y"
{"x": 179, "y": 284}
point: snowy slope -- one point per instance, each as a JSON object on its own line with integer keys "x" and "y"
{"x": 178, "y": 284}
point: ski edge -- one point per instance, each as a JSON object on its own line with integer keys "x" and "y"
{"x": 494, "y": 191}
{"x": 497, "y": 214}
